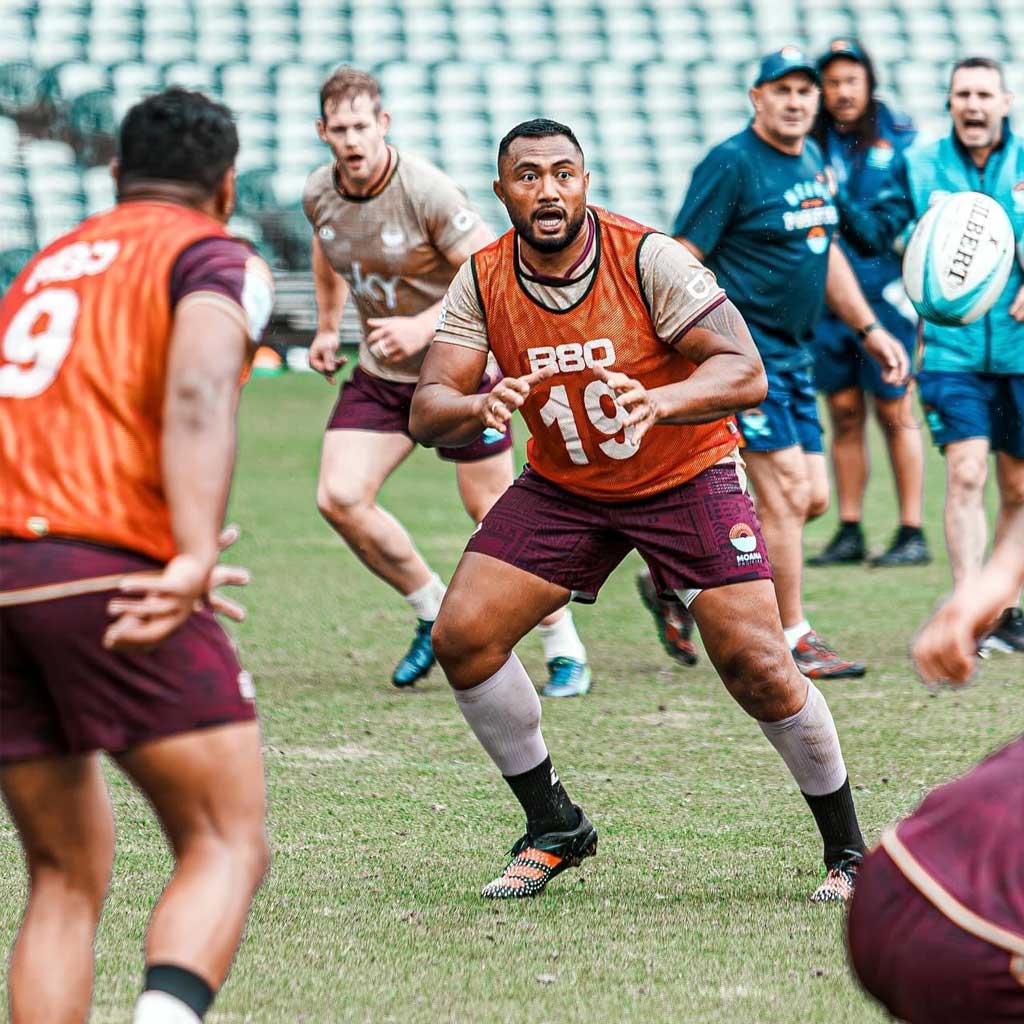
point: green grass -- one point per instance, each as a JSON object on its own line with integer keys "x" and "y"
{"x": 386, "y": 817}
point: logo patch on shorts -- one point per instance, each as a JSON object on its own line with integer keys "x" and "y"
{"x": 742, "y": 538}
{"x": 492, "y": 436}
{"x": 755, "y": 423}
{"x": 246, "y": 687}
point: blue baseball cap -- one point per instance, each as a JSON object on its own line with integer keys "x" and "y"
{"x": 780, "y": 63}
{"x": 843, "y": 46}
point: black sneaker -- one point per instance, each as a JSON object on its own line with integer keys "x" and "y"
{"x": 911, "y": 550}
{"x": 840, "y": 879}
{"x": 1008, "y": 635}
{"x": 537, "y": 859}
{"x": 845, "y": 548}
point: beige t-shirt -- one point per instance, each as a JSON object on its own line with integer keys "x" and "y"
{"x": 679, "y": 290}
{"x": 390, "y": 247}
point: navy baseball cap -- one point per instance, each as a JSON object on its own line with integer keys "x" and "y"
{"x": 843, "y": 46}
{"x": 780, "y": 63}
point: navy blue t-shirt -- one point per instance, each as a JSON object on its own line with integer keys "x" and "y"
{"x": 764, "y": 221}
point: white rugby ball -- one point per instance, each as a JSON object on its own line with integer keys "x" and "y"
{"x": 958, "y": 259}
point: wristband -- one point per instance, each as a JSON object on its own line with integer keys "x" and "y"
{"x": 865, "y": 331}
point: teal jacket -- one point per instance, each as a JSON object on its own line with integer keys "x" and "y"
{"x": 995, "y": 343}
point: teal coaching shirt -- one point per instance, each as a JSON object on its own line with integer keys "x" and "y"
{"x": 764, "y": 221}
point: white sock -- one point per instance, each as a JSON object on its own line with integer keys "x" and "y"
{"x": 809, "y": 744}
{"x": 794, "y": 634}
{"x": 426, "y": 602}
{"x": 156, "y": 1007}
{"x": 560, "y": 639}
{"x": 504, "y": 713}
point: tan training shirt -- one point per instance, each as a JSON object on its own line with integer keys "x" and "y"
{"x": 390, "y": 247}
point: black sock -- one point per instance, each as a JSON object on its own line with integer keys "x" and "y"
{"x": 182, "y": 984}
{"x": 848, "y": 527}
{"x": 837, "y": 822}
{"x": 544, "y": 799}
{"x": 905, "y": 533}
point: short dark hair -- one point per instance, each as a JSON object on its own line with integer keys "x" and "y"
{"x": 177, "y": 135}
{"x": 346, "y": 83}
{"x": 979, "y": 62}
{"x": 538, "y": 128}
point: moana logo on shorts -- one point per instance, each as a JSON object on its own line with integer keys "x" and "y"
{"x": 742, "y": 538}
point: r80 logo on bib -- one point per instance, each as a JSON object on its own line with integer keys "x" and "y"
{"x": 572, "y": 356}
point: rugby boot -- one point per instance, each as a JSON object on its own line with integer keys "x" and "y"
{"x": 845, "y": 548}
{"x": 840, "y": 879}
{"x": 535, "y": 860}
{"x": 1008, "y": 636}
{"x": 419, "y": 659}
{"x": 672, "y": 620}
{"x": 567, "y": 677}
{"x": 905, "y": 549}
{"x": 817, "y": 660}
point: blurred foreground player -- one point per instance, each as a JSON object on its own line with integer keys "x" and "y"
{"x": 936, "y": 931}
{"x": 123, "y": 344}
{"x": 626, "y": 360}
{"x": 391, "y": 230}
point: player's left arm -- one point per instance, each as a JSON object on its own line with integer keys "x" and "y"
{"x": 846, "y": 300}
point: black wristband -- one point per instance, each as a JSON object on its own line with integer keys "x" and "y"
{"x": 865, "y": 331}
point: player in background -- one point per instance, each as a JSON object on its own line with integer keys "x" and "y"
{"x": 760, "y": 211}
{"x": 123, "y": 344}
{"x": 860, "y": 138}
{"x": 971, "y": 378}
{"x": 626, "y": 360}
{"x": 390, "y": 231}
{"x": 936, "y": 931}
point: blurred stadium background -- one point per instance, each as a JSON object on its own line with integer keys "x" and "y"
{"x": 646, "y": 84}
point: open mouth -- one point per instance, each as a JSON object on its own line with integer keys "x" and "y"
{"x": 975, "y": 122}
{"x": 549, "y": 220}
{"x": 353, "y": 161}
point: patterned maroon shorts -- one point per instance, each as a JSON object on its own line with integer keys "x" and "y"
{"x": 367, "y": 402}
{"x": 62, "y": 693}
{"x": 917, "y": 963}
{"x": 697, "y": 536}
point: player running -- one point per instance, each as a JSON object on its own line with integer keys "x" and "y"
{"x": 936, "y": 932}
{"x": 760, "y": 211}
{"x": 861, "y": 138}
{"x": 391, "y": 231}
{"x": 123, "y": 343}
{"x": 626, "y": 361}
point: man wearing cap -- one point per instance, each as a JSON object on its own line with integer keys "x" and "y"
{"x": 760, "y": 213}
{"x": 861, "y": 139}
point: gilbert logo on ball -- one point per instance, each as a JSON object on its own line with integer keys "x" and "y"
{"x": 958, "y": 259}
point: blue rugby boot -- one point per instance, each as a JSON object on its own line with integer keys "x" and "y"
{"x": 567, "y": 677}
{"x": 419, "y": 659}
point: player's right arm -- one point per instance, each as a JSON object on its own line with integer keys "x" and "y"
{"x": 331, "y": 294}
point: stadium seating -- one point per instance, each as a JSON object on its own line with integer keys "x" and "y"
{"x": 647, "y": 84}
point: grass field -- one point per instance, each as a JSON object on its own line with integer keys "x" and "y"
{"x": 386, "y": 817}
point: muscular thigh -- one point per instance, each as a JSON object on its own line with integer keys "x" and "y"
{"x": 781, "y": 479}
{"x": 355, "y": 463}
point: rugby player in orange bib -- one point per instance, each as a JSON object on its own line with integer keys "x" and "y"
{"x": 626, "y": 360}
{"x": 122, "y": 345}
{"x": 390, "y": 230}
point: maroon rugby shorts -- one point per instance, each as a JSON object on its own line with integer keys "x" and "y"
{"x": 920, "y": 965}
{"x": 697, "y": 536}
{"x": 62, "y": 693}
{"x": 367, "y": 402}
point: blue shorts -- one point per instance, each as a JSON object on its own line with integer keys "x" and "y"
{"x": 787, "y": 417}
{"x": 840, "y": 361}
{"x": 959, "y": 406}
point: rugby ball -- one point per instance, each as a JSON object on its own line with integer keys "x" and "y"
{"x": 958, "y": 259}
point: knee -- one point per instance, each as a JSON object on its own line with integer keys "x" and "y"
{"x": 1011, "y": 494}
{"x": 464, "y": 646}
{"x": 847, "y": 419}
{"x": 817, "y": 500}
{"x": 342, "y": 501}
{"x": 894, "y": 417}
{"x": 966, "y": 477}
{"x": 764, "y": 681}
{"x": 81, "y": 881}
